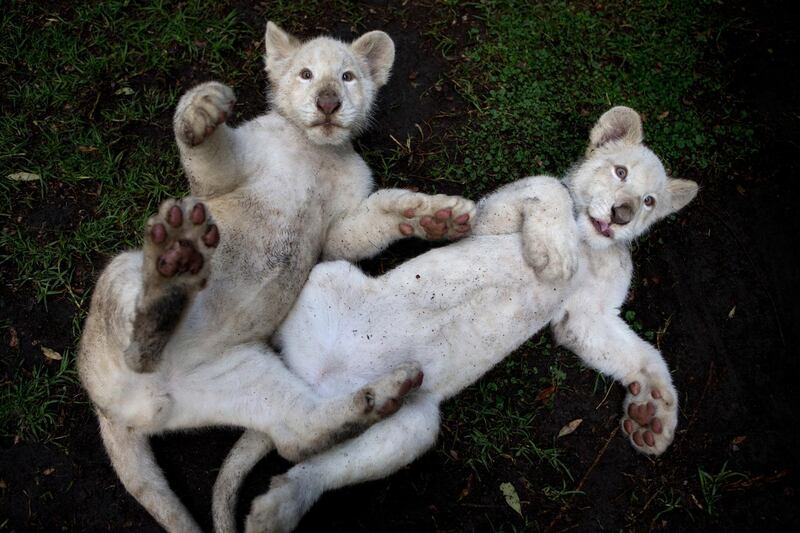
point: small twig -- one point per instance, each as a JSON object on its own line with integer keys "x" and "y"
{"x": 583, "y": 480}
{"x": 702, "y": 396}
{"x": 608, "y": 391}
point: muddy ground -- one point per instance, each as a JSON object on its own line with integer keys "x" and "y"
{"x": 723, "y": 273}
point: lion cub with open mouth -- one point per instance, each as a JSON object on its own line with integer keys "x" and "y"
{"x": 269, "y": 198}
{"x": 541, "y": 253}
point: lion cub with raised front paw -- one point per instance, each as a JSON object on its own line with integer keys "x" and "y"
{"x": 541, "y": 253}
{"x": 175, "y": 337}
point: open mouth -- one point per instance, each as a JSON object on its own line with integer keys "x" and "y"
{"x": 603, "y": 228}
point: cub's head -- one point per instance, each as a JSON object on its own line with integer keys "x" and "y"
{"x": 621, "y": 188}
{"x": 324, "y": 86}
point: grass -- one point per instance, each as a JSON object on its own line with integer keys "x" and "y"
{"x": 712, "y": 486}
{"x": 91, "y": 102}
{"x": 29, "y": 400}
{"x": 542, "y": 72}
{"x": 496, "y": 418}
{"x": 87, "y": 102}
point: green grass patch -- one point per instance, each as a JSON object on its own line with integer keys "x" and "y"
{"x": 712, "y": 485}
{"x": 542, "y": 72}
{"x": 87, "y": 107}
{"x": 497, "y": 417}
{"x": 29, "y": 400}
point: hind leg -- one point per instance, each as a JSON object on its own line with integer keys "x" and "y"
{"x": 179, "y": 242}
{"x": 133, "y": 460}
{"x": 380, "y": 451}
{"x": 250, "y": 387}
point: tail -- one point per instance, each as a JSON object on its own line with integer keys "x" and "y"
{"x": 133, "y": 460}
{"x": 251, "y": 447}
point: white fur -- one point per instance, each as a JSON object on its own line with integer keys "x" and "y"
{"x": 283, "y": 191}
{"x": 461, "y": 309}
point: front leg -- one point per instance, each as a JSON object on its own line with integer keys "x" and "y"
{"x": 606, "y": 343}
{"x": 540, "y": 208}
{"x": 209, "y": 148}
{"x": 391, "y": 214}
{"x": 178, "y": 245}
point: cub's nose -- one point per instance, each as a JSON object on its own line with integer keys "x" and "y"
{"x": 328, "y": 101}
{"x": 621, "y": 214}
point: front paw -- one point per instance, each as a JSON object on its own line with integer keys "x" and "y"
{"x": 553, "y": 259}
{"x": 435, "y": 217}
{"x": 201, "y": 110}
{"x": 650, "y": 414}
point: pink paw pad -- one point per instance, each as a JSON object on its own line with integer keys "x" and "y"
{"x": 180, "y": 232}
{"x": 640, "y": 423}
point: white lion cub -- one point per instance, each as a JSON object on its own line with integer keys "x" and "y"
{"x": 159, "y": 354}
{"x": 461, "y": 309}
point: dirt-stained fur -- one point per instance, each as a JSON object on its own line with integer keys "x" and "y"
{"x": 541, "y": 253}
{"x": 175, "y": 335}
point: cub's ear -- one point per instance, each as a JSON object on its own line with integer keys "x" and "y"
{"x": 377, "y": 49}
{"x": 280, "y": 46}
{"x": 617, "y": 124}
{"x": 681, "y": 192}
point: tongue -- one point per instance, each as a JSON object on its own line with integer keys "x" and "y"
{"x": 603, "y": 225}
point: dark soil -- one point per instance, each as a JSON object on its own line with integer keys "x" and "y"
{"x": 730, "y": 249}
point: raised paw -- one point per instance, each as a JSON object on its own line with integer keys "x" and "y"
{"x": 650, "y": 414}
{"x": 201, "y": 110}
{"x": 385, "y": 396}
{"x": 179, "y": 242}
{"x": 435, "y": 217}
{"x": 553, "y": 259}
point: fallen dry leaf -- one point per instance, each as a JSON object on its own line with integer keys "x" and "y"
{"x": 732, "y": 312}
{"x": 24, "y": 176}
{"x": 545, "y": 393}
{"x": 13, "y": 342}
{"x": 511, "y": 496}
{"x": 51, "y": 354}
{"x": 48, "y": 471}
{"x": 468, "y": 487}
{"x": 569, "y": 428}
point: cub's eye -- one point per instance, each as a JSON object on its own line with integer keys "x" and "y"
{"x": 306, "y": 74}
{"x": 649, "y": 201}
{"x": 348, "y": 76}
{"x": 621, "y": 172}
